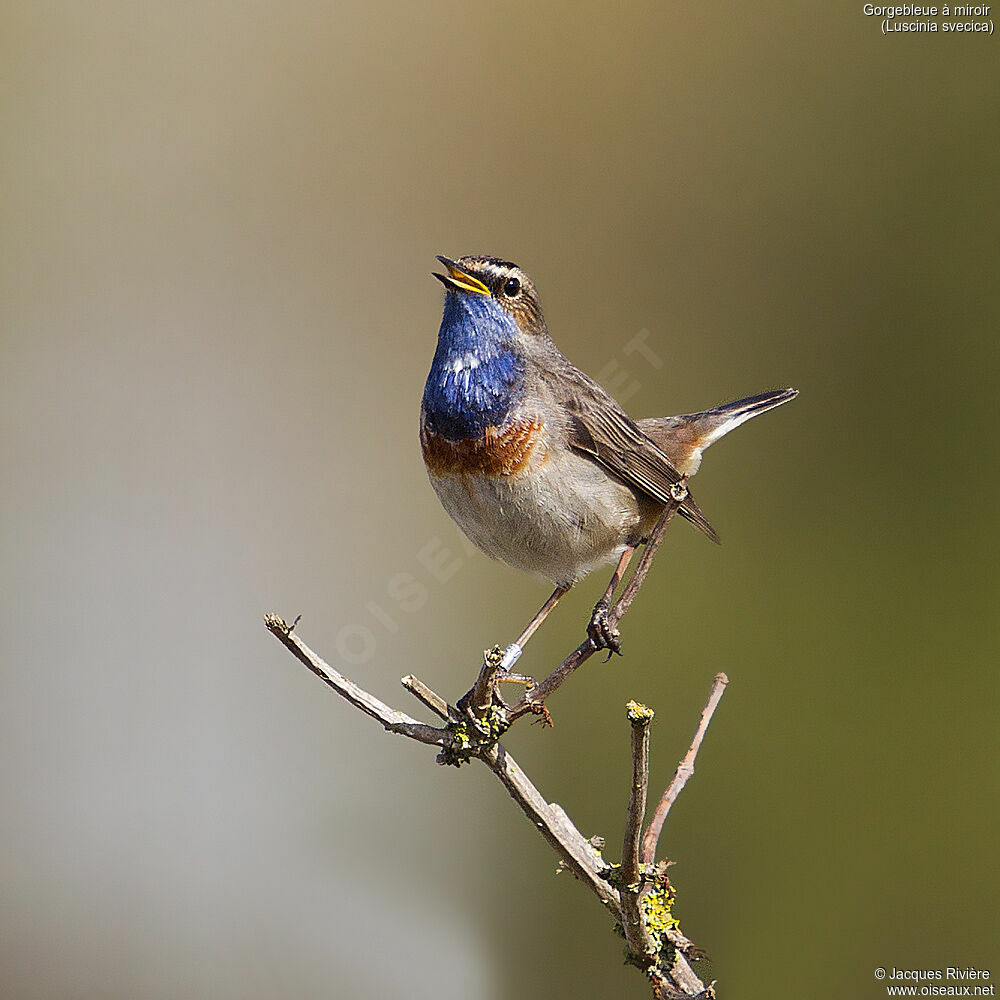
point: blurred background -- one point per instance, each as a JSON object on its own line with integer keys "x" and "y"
{"x": 218, "y": 226}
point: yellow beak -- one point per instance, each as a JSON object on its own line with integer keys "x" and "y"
{"x": 460, "y": 281}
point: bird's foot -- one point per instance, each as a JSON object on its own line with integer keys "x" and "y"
{"x": 542, "y": 715}
{"x": 511, "y": 678}
{"x": 506, "y": 675}
{"x": 602, "y": 634}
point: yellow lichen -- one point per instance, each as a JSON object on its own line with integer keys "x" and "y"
{"x": 637, "y": 712}
{"x": 656, "y": 908}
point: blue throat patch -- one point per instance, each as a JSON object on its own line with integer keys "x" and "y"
{"x": 476, "y": 376}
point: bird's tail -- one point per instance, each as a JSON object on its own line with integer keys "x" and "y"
{"x": 693, "y": 513}
{"x": 685, "y": 437}
{"x": 720, "y": 420}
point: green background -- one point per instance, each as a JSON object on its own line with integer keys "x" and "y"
{"x": 218, "y": 223}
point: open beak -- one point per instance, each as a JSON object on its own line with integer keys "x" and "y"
{"x": 458, "y": 280}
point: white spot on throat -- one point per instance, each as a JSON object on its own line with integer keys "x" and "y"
{"x": 464, "y": 362}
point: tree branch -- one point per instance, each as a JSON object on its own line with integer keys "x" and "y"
{"x": 390, "y": 719}
{"x": 636, "y": 934}
{"x": 575, "y": 850}
{"x": 473, "y": 729}
{"x": 684, "y": 771}
{"x": 430, "y": 698}
{"x": 556, "y": 827}
{"x": 478, "y": 699}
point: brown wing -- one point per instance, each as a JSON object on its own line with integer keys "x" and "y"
{"x": 599, "y": 427}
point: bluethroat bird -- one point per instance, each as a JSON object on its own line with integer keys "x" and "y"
{"x": 537, "y": 463}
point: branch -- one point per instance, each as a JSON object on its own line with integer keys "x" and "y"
{"x": 390, "y": 719}
{"x": 556, "y": 827}
{"x": 430, "y": 698}
{"x": 684, "y": 771}
{"x": 551, "y": 820}
{"x": 636, "y": 934}
{"x": 477, "y": 700}
{"x": 473, "y": 729}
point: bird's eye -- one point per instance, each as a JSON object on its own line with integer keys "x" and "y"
{"x": 511, "y": 287}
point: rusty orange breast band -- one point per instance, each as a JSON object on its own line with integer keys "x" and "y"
{"x": 498, "y": 452}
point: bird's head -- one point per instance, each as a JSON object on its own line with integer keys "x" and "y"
{"x": 492, "y": 326}
{"x": 493, "y": 293}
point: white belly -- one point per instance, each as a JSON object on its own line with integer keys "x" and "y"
{"x": 559, "y": 518}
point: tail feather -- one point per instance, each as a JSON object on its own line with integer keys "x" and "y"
{"x": 685, "y": 437}
{"x": 693, "y": 513}
{"x": 720, "y": 420}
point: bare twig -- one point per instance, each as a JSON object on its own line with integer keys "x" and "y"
{"x": 683, "y": 943}
{"x": 684, "y": 771}
{"x": 639, "y": 942}
{"x": 551, "y": 821}
{"x": 665, "y": 987}
{"x": 430, "y": 698}
{"x": 573, "y": 848}
{"x": 536, "y": 695}
{"x": 390, "y": 719}
{"x": 478, "y": 699}
{"x": 488, "y": 714}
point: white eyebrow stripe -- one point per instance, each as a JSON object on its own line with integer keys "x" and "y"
{"x": 494, "y": 269}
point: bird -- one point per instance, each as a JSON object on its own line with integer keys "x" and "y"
{"x": 537, "y": 463}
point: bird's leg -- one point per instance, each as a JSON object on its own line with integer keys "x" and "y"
{"x": 552, "y": 600}
{"x": 513, "y": 651}
{"x": 600, "y": 631}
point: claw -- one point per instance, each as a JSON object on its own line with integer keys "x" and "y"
{"x": 602, "y": 634}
